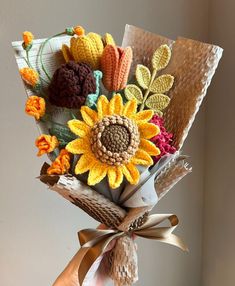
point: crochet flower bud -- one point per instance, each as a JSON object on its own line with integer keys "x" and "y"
{"x": 28, "y": 38}
{"x": 70, "y": 85}
{"x": 79, "y": 31}
{"x": 115, "y": 65}
{"x": 35, "y": 106}
{"x": 30, "y": 76}
{"x": 61, "y": 165}
{"x": 46, "y": 144}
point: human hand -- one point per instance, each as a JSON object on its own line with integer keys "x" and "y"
{"x": 69, "y": 277}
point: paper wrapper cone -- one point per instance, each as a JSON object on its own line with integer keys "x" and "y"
{"x": 192, "y": 64}
{"x": 170, "y": 175}
{"x": 93, "y": 203}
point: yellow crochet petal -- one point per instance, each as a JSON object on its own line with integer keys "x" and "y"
{"x": 84, "y": 49}
{"x": 79, "y": 127}
{"x": 108, "y": 39}
{"x": 142, "y": 158}
{"x": 116, "y": 105}
{"x": 97, "y": 42}
{"x": 115, "y": 177}
{"x": 89, "y": 116}
{"x": 78, "y": 146}
{"x": 66, "y": 53}
{"x": 73, "y": 44}
{"x": 84, "y": 164}
{"x": 131, "y": 173}
{"x": 144, "y": 115}
{"x": 149, "y": 147}
{"x": 130, "y": 108}
{"x": 148, "y": 130}
{"x": 97, "y": 173}
{"x": 102, "y": 106}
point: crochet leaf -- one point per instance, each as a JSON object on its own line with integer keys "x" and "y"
{"x": 143, "y": 76}
{"x": 91, "y": 98}
{"x": 162, "y": 84}
{"x": 63, "y": 134}
{"x": 133, "y": 92}
{"x": 161, "y": 57}
{"x": 157, "y": 101}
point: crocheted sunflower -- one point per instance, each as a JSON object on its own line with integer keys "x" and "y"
{"x": 113, "y": 141}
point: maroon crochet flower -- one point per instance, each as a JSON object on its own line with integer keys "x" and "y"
{"x": 163, "y": 140}
{"x": 70, "y": 85}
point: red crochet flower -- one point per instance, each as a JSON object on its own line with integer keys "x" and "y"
{"x": 163, "y": 140}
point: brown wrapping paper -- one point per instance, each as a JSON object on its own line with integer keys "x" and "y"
{"x": 123, "y": 260}
{"x": 93, "y": 203}
{"x": 193, "y": 65}
{"x": 170, "y": 175}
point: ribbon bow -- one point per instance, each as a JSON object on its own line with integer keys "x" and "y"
{"x": 94, "y": 241}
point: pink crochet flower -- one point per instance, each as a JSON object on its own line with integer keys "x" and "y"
{"x": 163, "y": 140}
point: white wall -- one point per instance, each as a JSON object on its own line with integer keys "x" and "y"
{"x": 219, "y": 211}
{"x": 38, "y": 228}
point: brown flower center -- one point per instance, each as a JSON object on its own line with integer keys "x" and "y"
{"x": 115, "y": 139}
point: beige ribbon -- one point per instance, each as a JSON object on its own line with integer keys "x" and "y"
{"x": 94, "y": 241}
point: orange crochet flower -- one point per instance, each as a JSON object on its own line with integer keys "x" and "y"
{"x": 35, "y": 106}
{"x": 30, "y": 76}
{"x": 61, "y": 165}
{"x": 46, "y": 144}
{"x": 79, "y": 30}
{"x": 28, "y": 38}
{"x": 115, "y": 65}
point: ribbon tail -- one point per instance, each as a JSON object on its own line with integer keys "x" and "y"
{"x": 92, "y": 254}
{"x": 174, "y": 240}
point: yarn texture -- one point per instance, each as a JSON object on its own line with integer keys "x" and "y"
{"x": 163, "y": 140}
{"x": 70, "y": 85}
{"x": 112, "y": 141}
{"x": 115, "y": 65}
{"x": 35, "y": 106}
{"x": 61, "y": 165}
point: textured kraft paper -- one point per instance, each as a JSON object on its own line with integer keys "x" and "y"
{"x": 192, "y": 64}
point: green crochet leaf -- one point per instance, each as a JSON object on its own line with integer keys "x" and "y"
{"x": 143, "y": 76}
{"x": 63, "y": 134}
{"x": 93, "y": 97}
{"x": 132, "y": 91}
{"x": 161, "y": 57}
{"x": 157, "y": 102}
{"x": 162, "y": 83}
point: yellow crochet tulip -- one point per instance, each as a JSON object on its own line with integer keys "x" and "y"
{"x": 87, "y": 49}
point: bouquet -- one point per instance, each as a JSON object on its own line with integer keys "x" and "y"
{"x": 112, "y": 120}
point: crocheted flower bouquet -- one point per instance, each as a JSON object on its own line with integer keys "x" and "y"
{"x": 112, "y": 121}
